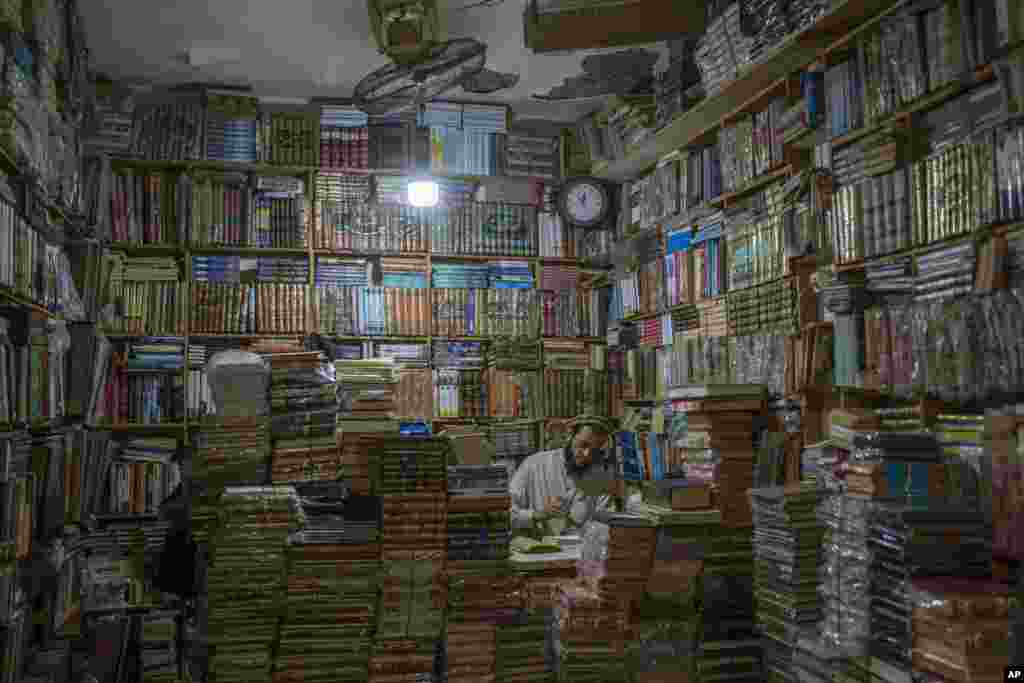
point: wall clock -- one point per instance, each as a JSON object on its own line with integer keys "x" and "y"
{"x": 584, "y": 202}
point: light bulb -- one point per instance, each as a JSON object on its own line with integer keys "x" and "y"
{"x": 424, "y": 193}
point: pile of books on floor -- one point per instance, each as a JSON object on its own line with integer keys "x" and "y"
{"x": 406, "y": 660}
{"x": 590, "y": 636}
{"x": 304, "y": 415}
{"x": 366, "y": 388}
{"x": 908, "y": 541}
{"x": 247, "y": 562}
{"x": 787, "y": 547}
{"x": 331, "y": 601}
{"x": 521, "y": 652}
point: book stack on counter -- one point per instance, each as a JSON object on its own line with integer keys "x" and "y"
{"x": 231, "y": 128}
{"x": 331, "y": 603}
{"x": 945, "y": 272}
{"x": 959, "y": 629}
{"x": 787, "y": 549}
{"x": 722, "y": 50}
{"x": 247, "y": 560}
{"x": 344, "y": 138}
{"x": 480, "y": 585}
{"x": 722, "y": 418}
{"x": 304, "y": 415}
{"x": 907, "y": 542}
{"x": 589, "y": 638}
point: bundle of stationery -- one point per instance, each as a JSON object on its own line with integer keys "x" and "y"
{"x": 332, "y": 584}
{"x": 787, "y": 548}
{"x": 959, "y": 628}
{"x": 304, "y": 414}
{"x": 908, "y": 541}
{"x": 245, "y": 579}
{"x": 366, "y": 388}
{"x": 589, "y": 635}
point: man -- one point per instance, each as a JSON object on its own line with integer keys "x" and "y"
{"x": 546, "y": 483}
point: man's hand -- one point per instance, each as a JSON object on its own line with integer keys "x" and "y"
{"x": 552, "y": 506}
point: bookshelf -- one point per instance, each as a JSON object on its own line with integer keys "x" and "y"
{"x": 324, "y": 254}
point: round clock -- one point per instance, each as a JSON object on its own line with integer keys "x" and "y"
{"x": 584, "y": 202}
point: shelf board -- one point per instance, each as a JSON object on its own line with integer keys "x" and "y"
{"x": 481, "y": 257}
{"x": 414, "y": 338}
{"x": 367, "y": 254}
{"x": 748, "y": 89}
{"x": 141, "y": 428}
{"x": 248, "y": 251}
{"x": 758, "y": 183}
{"x": 246, "y": 336}
{"x": 212, "y": 165}
{"x": 147, "y": 249}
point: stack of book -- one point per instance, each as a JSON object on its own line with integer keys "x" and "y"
{"x": 401, "y": 274}
{"x": 231, "y": 128}
{"x": 401, "y": 659}
{"x": 510, "y": 274}
{"x": 478, "y": 513}
{"x": 231, "y": 451}
{"x": 221, "y": 211}
{"x": 460, "y": 276}
{"x": 959, "y": 628}
{"x": 149, "y": 296}
{"x": 411, "y": 481}
{"x": 460, "y": 392}
{"x": 332, "y": 584}
{"x": 906, "y": 544}
{"x": 344, "y": 138}
{"x": 469, "y": 652}
{"x": 332, "y": 271}
{"x": 787, "y": 544}
{"x": 287, "y": 138}
{"x": 590, "y": 636}
{"x": 449, "y": 354}
{"x": 141, "y": 208}
{"x": 529, "y": 156}
{"x": 513, "y": 441}
{"x": 521, "y": 648}
{"x": 770, "y": 18}
{"x": 171, "y": 132}
{"x": 366, "y": 388}
{"x": 945, "y": 272}
{"x": 304, "y": 414}
{"x": 722, "y": 50}
{"x": 247, "y": 563}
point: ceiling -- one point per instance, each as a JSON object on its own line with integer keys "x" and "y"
{"x": 308, "y": 48}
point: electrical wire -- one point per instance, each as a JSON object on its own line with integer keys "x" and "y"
{"x": 476, "y": 5}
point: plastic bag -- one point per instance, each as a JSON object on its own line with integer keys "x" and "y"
{"x": 239, "y": 382}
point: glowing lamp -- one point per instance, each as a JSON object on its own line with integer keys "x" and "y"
{"x": 424, "y": 193}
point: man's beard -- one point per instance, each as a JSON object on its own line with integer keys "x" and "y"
{"x": 572, "y": 467}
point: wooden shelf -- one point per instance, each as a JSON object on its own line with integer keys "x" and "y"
{"x": 147, "y": 249}
{"x": 368, "y": 254}
{"x": 480, "y": 257}
{"x": 248, "y": 251}
{"x": 414, "y": 338}
{"x": 211, "y": 165}
{"x": 751, "y": 88}
{"x": 141, "y": 428}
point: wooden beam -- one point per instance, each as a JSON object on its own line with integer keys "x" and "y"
{"x": 634, "y": 23}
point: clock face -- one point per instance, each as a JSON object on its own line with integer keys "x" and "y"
{"x": 585, "y": 203}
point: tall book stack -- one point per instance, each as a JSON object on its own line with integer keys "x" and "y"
{"x": 244, "y": 586}
{"x": 304, "y": 415}
{"x": 721, "y": 418}
{"x": 331, "y": 594}
{"x": 365, "y": 389}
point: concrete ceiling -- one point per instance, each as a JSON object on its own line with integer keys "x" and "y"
{"x": 308, "y": 48}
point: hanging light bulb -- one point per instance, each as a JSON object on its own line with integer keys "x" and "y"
{"x": 424, "y": 193}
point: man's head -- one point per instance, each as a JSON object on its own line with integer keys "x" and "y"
{"x": 587, "y": 439}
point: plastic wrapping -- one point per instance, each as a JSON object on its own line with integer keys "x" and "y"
{"x": 239, "y": 382}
